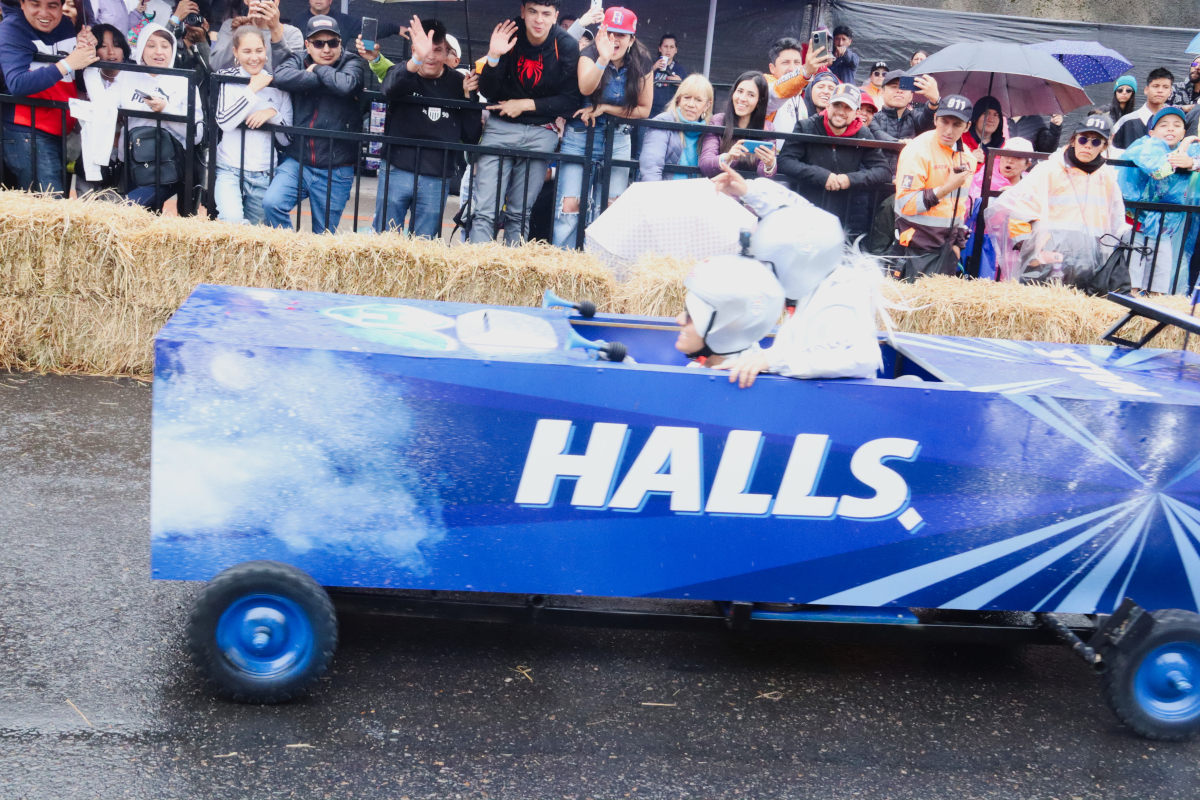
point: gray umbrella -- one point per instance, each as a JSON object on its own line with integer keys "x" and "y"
{"x": 1024, "y": 80}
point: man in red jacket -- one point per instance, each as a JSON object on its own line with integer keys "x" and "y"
{"x": 33, "y": 137}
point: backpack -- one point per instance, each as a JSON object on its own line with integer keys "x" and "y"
{"x": 154, "y": 157}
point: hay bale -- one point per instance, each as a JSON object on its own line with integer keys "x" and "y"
{"x": 947, "y": 306}
{"x": 78, "y": 335}
{"x": 85, "y": 284}
{"x": 653, "y": 286}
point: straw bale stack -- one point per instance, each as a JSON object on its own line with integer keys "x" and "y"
{"x": 85, "y": 285}
{"x": 951, "y": 307}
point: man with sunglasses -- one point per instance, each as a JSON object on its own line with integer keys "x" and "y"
{"x": 874, "y": 84}
{"x": 326, "y": 83}
{"x": 1185, "y": 93}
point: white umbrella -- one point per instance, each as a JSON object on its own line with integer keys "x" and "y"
{"x": 680, "y": 218}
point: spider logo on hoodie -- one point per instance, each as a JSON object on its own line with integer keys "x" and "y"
{"x": 529, "y": 72}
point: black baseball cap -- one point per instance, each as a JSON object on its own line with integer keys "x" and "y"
{"x": 892, "y": 76}
{"x": 322, "y": 24}
{"x": 878, "y": 65}
{"x": 955, "y": 105}
{"x": 1097, "y": 123}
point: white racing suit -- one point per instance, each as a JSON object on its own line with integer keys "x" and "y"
{"x": 833, "y": 334}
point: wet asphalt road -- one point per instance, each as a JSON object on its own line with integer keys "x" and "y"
{"x": 97, "y": 698}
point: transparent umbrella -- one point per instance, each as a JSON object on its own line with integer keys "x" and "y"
{"x": 681, "y": 218}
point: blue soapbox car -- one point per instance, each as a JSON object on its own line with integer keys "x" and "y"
{"x": 319, "y": 452}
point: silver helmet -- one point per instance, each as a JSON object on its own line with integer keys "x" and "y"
{"x": 733, "y": 301}
{"x": 803, "y": 244}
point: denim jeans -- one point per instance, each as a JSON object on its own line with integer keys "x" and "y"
{"x": 427, "y": 211}
{"x": 153, "y": 196}
{"x": 239, "y": 198}
{"x": 18, "y": 157}
{"x": 570, "y": 179}
{"x": 500, "y": 182}
{"x": 280, "y": 198}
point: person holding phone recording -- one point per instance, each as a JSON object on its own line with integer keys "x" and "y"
{"x": 745, "y": 108}
{"x": 265, "y": 15}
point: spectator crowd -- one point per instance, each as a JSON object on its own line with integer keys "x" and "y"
{"x": 896, "y": 160}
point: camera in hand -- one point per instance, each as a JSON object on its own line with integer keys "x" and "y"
{"x": 192, "y": 20}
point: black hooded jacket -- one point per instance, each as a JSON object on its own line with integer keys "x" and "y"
{"x": 810, "y": 164}
{"x": 545, "y": 73}
{"x": 330, "y": 98}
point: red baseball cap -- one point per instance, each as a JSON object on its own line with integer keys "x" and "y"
{"x": 620, "y": 20}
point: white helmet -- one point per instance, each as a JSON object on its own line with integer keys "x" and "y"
{"x": 733, "y": 301}
{"x": 804, "y": 244}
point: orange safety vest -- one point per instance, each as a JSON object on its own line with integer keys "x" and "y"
{"x": 924, "y": 222}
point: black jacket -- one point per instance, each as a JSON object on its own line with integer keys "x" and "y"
{"x": 330, "y": 98}
{"x": 1038, "y": 131}
{"x": 544, "y": 73}
{"x": 428, "y": 122}
{"x": 914, "y": 122}
{"x": 810, "y": 164}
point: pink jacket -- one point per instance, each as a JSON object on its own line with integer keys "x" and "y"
{"x": 710, "y": 149}
{"x": 998, "y": 181}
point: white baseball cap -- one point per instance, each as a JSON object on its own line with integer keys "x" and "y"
{"x": 452, "y": 44}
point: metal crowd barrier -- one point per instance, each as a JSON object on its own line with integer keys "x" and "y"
{"x": 838, "y": 203}
{"x": 1141, "y": 210}
{"x": 449, "y": 159}
{"x": 188, "y": 199}
{"x": 595, "y": 167}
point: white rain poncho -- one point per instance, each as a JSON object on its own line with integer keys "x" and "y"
{"x": 833, "y": 332}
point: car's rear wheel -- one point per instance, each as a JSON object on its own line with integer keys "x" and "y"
{"x": 1154, "y": 686}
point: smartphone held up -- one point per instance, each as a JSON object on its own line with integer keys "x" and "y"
{"x": 370, "y": 31}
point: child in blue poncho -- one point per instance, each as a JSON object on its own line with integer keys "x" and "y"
{"x": 1159, "y": 176}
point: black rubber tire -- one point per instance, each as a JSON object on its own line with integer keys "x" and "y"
{"x": 253, "y": 577}
{"x": 1117, "y": 681}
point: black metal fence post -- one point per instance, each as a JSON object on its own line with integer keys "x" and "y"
{"x": 588, "y": 149}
